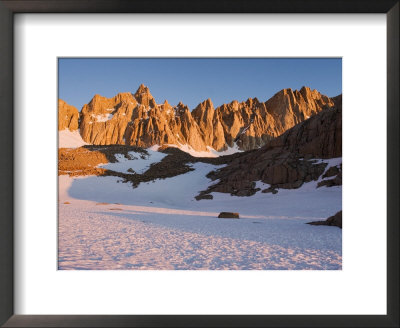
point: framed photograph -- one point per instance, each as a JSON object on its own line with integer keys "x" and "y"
{"x": 218, "y": 164}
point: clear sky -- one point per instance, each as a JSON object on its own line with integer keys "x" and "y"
{"x": 192, "y": 80}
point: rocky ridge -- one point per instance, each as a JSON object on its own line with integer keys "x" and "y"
{"x": 68, "y": 116}
{"x": 137, "y": 120}
{"x": 287, "y": 161}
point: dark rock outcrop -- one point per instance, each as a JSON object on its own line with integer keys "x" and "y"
{"x": 206, "y": 196}
{"x": 287, "y": 161}
{"x": 332, "y": 177}
{"x": 334, "y": 220}
{"x": 228, "y": 215}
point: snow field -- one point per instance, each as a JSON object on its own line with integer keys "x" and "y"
{"x": 160, "y": 225}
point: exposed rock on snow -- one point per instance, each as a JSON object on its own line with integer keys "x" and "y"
{"x": 87, "y": 160}
{"x": 286, "y": 161}
{"x": 228, "y": 215}
{"x": 334, "y": 220}
{"x": 207, "y": 196}
{"x": 270, "y": 189}
{"x": 334, "y": 173}
{"x": 133, "y": 164}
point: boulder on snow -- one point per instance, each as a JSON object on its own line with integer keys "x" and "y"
{"x": 228, "y": 215}
{"x": 268, "y": 190}
{"x": 204, "y": 196}
{"x": 334, "y": 220}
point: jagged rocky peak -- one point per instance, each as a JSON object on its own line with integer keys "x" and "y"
{"x": 142, "y": 91}
{"x": 144, "y": 97}
{"x": 104, "y": 105}
{"x": 104, "y": 120}
{"x": 252, "y": 102}
{"x": 97, "y": 99}
{"x": 289, "y": 108}
{"x": 234, "y": 105}
{"x": 166, "y": 108}
{"x": 125, "y": 97}
{"x": 96, "y": 104}
{"x": 181, "y": 108}
{"x": 207, "y": 104}
{"x": 136, "y": 119}
{"x": 68, "y": 116}
{"x": 304, "y": 95}
{"x": 166, "y": 104}
{"x": 307, "y": 93}
{"x": 204, "y": 111}
{"x": 210, "y": 126}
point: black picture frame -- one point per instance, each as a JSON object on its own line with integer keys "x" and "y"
{"x": 10, "y": 7}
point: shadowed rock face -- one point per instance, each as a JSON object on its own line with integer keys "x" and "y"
{"x": 137, "y": 120}
{"x": 319, "y": 137}
{"x": 68, "y": 116}
{"x": 286, "y": 161}
{"x": 334, "y": 220}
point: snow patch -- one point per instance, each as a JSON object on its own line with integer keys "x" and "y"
{"x": 70, "y": 139}
{"x": 102, "y": 117}
{"x": 229, "y": 151}
{"x": 154, "y": 148}
{"x": 262, "y": 185}
{"x": 195, "y": 153}
{"x": 210, "y": 152}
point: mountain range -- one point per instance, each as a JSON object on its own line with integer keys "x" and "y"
{"x": 137, "y": 120}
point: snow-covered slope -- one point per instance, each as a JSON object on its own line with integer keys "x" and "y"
{"x": 106, "y": 224}
{"x": 211, "y": 152}
{"x": 70, "y": 139}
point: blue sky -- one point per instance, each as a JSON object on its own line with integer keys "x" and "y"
{"x": 192, "y": 80}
